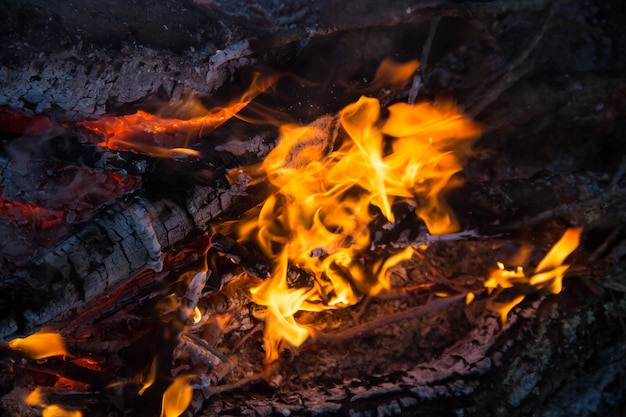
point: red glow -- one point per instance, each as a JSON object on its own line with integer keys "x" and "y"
{"x": 39, "y": 218}
{"x": 12, "y": 121}
{"x": 169, "y": 137}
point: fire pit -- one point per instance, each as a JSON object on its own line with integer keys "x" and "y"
{"x": 347, "y": 208}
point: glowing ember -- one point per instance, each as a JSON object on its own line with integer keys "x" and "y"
{"x": 548, "y": 275}
{"x": 318, "y": 220}
{"x": 16, "y": 122}
{"x": 37, "y": 217}
{"x": 177, "y": 397}
{"x": 164, "y": 137}
{"x": 40, "y": 345}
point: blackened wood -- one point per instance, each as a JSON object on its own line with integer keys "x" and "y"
{"x": 577, "y": 198}
{"x": 124, "y": 238}
{"x": 58, "y": 64}
{"x": 536, "y": 361}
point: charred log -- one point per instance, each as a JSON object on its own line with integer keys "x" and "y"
{"x": 124, "y": 238}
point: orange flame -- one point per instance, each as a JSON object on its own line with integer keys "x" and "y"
{"x": 146, "y": 133}
{"x": 391, "y": 74}
{"x": 177, "y": 397}
{"x": 150, "y": 376}
{"x": 35, "y": 397}
{"x": 40, "y": 345}
{"x": 197, "y": 315}
{"x": 318, "y": 220}
{"x": 548, "y": 275}
{"x": 56, "y": 411}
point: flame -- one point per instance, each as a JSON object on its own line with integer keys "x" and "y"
{"x": 318, "y": 220}
{"x": 177, "y": 397}
{"x": 550, "y": 270}
{"x": 150, "y": 376}
{"x": 548, "y": 275}
{"x": 167, "y": 137}
{"x": 35, "y": 397}
{"x": 197, "y": 315}
{"x": 504, "y": 308}
{"x": 391, "y": 74}
{"x": 56, "y": 411}
{"x": 40, "y": 345}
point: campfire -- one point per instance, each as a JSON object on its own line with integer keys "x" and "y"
{"x": 319, "y": 221}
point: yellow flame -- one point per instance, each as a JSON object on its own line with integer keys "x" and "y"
{"x": 177, "y": 397}
{"x": 548, "y": 275}
{"x": 35, "y": 397}
{"x": 318, "y": 220}
{"x": 197, "y": 315}
{"x": 56, "y": 411}
{"x": 40, "y": 345}
{"x": 504, "y": 308}
{"x": 150, "y": 376}
{"x": 550, "y": 271}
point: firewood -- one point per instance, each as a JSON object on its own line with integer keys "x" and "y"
{"x": 124, "y": 238}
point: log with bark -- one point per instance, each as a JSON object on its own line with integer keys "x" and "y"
{"x": 545, "y": 80}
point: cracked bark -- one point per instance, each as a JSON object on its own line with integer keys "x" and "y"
{"x": 118, "y": 242}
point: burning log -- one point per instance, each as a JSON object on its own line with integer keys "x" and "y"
{"x": 123, "y": 239}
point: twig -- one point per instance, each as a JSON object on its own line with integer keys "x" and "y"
{"x": 619, "y": 316}
{"x": 417, "y": 80}
{"x": 221, "y": 389}
{"x": 600, "y": 249}
{"x": 449, "y": 237}
{"x": 432, "y": 31}
{"x": 600, "y": 200}
{"x": 619, "y": 252}
{"x": 69, "y": 370}
{"x": 389, "y": 16}
{"x": 512, "y": 72}
{"x": 365, "y": 329}
{"x": 562, "y": 210}
{"x": 201, "y": 350}
{"x": 619, "y": 173}
{"x": 256, "y": 328}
